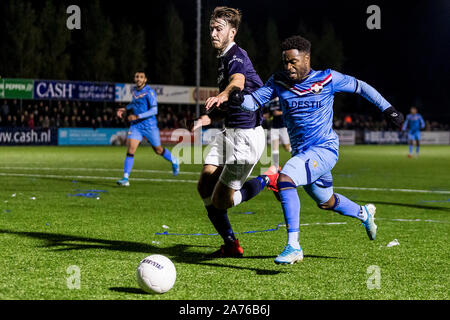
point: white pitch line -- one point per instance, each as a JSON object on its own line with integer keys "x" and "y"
{"x": 97, "y": 169}
{"x": 395, "y": 190}
{"x": 413, "y": 220}
{"x": 91, "y": 177}
{"x": 180, "y": 180}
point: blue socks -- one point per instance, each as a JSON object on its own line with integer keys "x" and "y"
{"x": 167, "y": 155}
{"x": 348, "y": 208}
{"x": 128, "y": 165}
{"x": 410, "y": 149}
{"x": 290, "y": 202}
{"x": 129, "y": 161}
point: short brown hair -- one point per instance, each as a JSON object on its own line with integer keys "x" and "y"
{"x": 230, "y": 15}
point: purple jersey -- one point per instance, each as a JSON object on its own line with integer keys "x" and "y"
{"x": 236, "y": 60}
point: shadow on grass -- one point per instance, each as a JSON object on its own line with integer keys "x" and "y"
{"x": 76, "y": 181}
{"x": 128, "y": 290}
{"x": 178, "y": 252}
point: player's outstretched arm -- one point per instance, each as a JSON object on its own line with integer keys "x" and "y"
{"x": 237, "y": 80}
{"x": 253, "y": 101}
{"x": 245, "y": 102}
{"x": 394, "y": 116}
{"x": 345, "y": 83}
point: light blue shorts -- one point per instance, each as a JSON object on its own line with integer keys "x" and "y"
{"x": 140, "y": 130}
{"x": 413, "y": 135}
{"x": 312, "y": 170}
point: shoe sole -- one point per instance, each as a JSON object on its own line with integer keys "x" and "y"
{"x": 124, "y": 184}
{"x": 300, "y": 259}
{"x": 376, "y": 227}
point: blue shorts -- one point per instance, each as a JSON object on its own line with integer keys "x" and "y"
{"x": 151, "y": 133}
{"x": 312, "y": 170}
{"x": 413, "y": 135}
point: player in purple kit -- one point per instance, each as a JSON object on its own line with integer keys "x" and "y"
{"x": 239, "y": 146}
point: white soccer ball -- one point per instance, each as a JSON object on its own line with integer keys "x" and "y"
{"x": 156, "y": 273}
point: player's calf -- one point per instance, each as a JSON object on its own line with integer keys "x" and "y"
{"x": 222, "y": 197}
{"x": 342, "y": 205}
{"x": 208, "y": 179}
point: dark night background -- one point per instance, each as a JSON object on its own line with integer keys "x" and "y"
{"x": 407, "y": 61}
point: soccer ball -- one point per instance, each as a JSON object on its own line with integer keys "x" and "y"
{"x": 156, "y": 273}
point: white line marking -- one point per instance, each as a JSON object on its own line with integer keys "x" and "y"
{"x": 395, "y": 190}
{"x": 91, "y": 177}
{"x": 97, "y": 169}
{"x": 176, "y": 180}
{"x": 323, "y": 223}
{"x": 413, "y": 220}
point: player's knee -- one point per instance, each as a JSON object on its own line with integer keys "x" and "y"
{"x": 328, "y": 205}
{"x": 221, "y": 202}
{"x": 158, "y": 150}
{"x": 285, "y": 182}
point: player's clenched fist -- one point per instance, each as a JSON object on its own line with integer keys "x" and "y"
{"x": 215, "y": 102}
{"x": 120, "y": 112}
{"x": 394, "y": 116}
{"x": 132, "y": 117}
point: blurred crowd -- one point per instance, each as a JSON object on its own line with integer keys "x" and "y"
{"x": 77, "y": 114}
{"x": 66, "y": 114}
{"x": 367, "y": 122}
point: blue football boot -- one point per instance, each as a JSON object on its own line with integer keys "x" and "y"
{"x": 369, "y": 223}
{"x": 289, "y": 255}
{"x": 175, "y": 167}
{"x": 123, "y": 182}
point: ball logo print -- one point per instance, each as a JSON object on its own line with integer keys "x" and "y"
{"x": 156, "y": 274}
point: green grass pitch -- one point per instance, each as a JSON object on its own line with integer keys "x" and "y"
{"x": 45, "y": 229}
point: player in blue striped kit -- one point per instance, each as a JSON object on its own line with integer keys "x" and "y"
{"x": 143, "y": 124}
{"x": 306, "y": 98}
{"x": 414, "y": 123}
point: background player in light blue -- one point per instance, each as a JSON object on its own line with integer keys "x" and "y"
{"x": 306, "y": 98}
{"x": 144, "y": 109}
{"x": 414, "y": 123}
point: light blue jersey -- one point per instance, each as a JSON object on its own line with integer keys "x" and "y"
{"x": 308, "y": 105}
{"x": 144, "y": 105}
{"x": 307, "y": 108}
{"x": 414, "y": 123}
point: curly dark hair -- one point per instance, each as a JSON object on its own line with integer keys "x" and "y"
{"x": 296, "y": 42}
